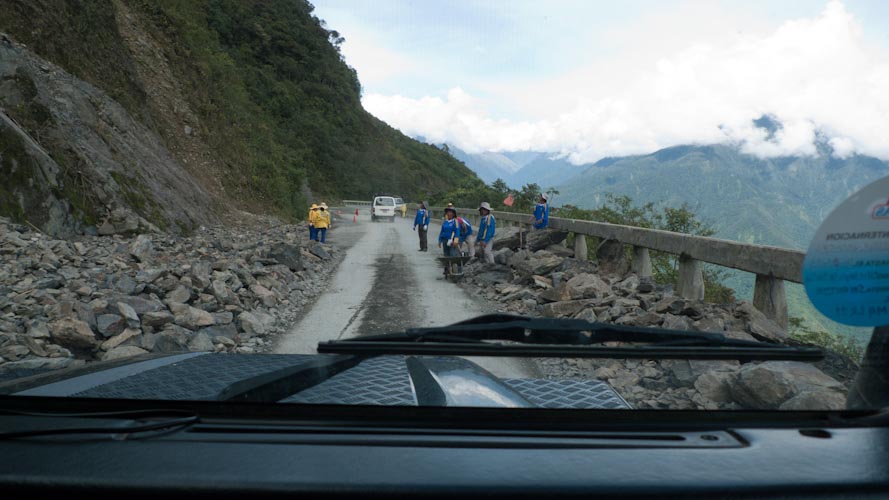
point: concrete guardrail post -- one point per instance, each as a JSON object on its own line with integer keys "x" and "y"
{"x": 770, "y": 299}
{"x": 641, "y": 262}
{"x": 580, "y": 250}
{"x": 691, "y": 278}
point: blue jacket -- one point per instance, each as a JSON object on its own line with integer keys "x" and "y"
{"x": 486, "y": 228}
{"x": 449, "y": 229}
{"x": 422, "y": 218}
{"x": 541, "y": 212}
{"x": 468, "y": 232}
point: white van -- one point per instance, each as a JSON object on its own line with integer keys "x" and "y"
{"x": 383, "y": 207}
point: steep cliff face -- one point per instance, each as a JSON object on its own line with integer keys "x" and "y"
{"x": 180, "y": 112}
{"x": 74, "y": 159}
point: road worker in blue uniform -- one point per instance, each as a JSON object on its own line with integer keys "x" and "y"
{"x": 541, "y": 213}
{"x": 467, "y": 239}
{"x": 486, "y": 229}
{"x": 449, "y": 237}
{"x": 422, "y": 221}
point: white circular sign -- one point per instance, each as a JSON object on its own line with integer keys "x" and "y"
{"x": 846, "y": 270}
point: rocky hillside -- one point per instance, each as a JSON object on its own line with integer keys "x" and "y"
{"x": 171, "y": 114}
{"x": 74, "y": 158}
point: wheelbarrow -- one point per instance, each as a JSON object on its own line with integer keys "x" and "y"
{"x": 453, "y": 266}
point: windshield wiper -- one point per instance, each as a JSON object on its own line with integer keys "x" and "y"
{"x": 572, "y": 338}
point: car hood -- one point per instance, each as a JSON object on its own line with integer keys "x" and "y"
{"x": 316, "y": 379}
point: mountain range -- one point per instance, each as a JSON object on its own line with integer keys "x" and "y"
{"x": 769, "y": 201}
{"x": 518, "y": 168}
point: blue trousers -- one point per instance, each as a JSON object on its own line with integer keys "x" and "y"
{"x": 322, "y": 233}
{"x": 313, "y": 233}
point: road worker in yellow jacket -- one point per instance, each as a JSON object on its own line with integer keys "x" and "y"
{"x": 313, "y": 216}
{"x": 322, "y": 222}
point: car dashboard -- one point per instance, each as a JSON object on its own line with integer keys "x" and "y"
{"x": 278, "y": 451}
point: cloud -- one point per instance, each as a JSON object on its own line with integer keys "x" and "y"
{"x": 372, "y": 60}
{"x": 816, "y": 76}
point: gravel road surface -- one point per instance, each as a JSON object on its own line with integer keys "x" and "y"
{"x": 386, "y": 285}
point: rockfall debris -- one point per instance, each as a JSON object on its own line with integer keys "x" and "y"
{"x": 64, "y": 303}
{"x": 549, "y": 282}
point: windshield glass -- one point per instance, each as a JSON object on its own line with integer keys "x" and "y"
{"x": 190, "y": 190}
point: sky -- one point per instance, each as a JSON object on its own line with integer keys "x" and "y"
{"x": 588, "y": 79}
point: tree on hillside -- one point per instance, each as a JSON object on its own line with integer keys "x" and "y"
{"x": 665, "y": 267}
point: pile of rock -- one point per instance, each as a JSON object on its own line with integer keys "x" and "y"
{"x": 63, "y": 303}
{"x": 550, "y": 283}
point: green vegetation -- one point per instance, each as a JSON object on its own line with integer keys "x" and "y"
{"x": 80, "y": 37}
{"x": 470, "y": 192}
{"x": 15, "y": 170}
{"x": 137, "y": 196}
{"x": 665, "y": 267}
{"x": 278, "y": 107}
{"x": 844, "y": 345}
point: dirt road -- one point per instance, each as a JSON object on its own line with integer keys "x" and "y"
{"x": 386, "y": 285}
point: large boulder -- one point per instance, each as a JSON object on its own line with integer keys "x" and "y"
{"x": 513, "y": 238}
{"x": 200, "y": 342}
{"x": 587, "y": 286}
{"x": 157, "y": 319}
{"x": 191, "y": 317}
{"x": 558, "y": 294}
{"x": 126, "y": 351}
{"x": 267, "y": 296}
{"x": 612, "y": 258}
{"x": 758, "y": 325}
{"x": 142, "y": 248}
{"x": 288, "y": 255}
{"x": 716, "y": 385}
{"x": 223, "y": 293}
{"x": 172, "y": 339}
{"x": 685, "y": 372}
{"x": 227, "y": 330}
{"x": 502, "y": 256}
{"x": 73, "y": 334}
{"x": 771, "y": 384}
{"x": 541, "y": 262}
{"x": 110, "y": 325}
{"x": 255, "y": 323}
{"x": 130, "y": 336}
